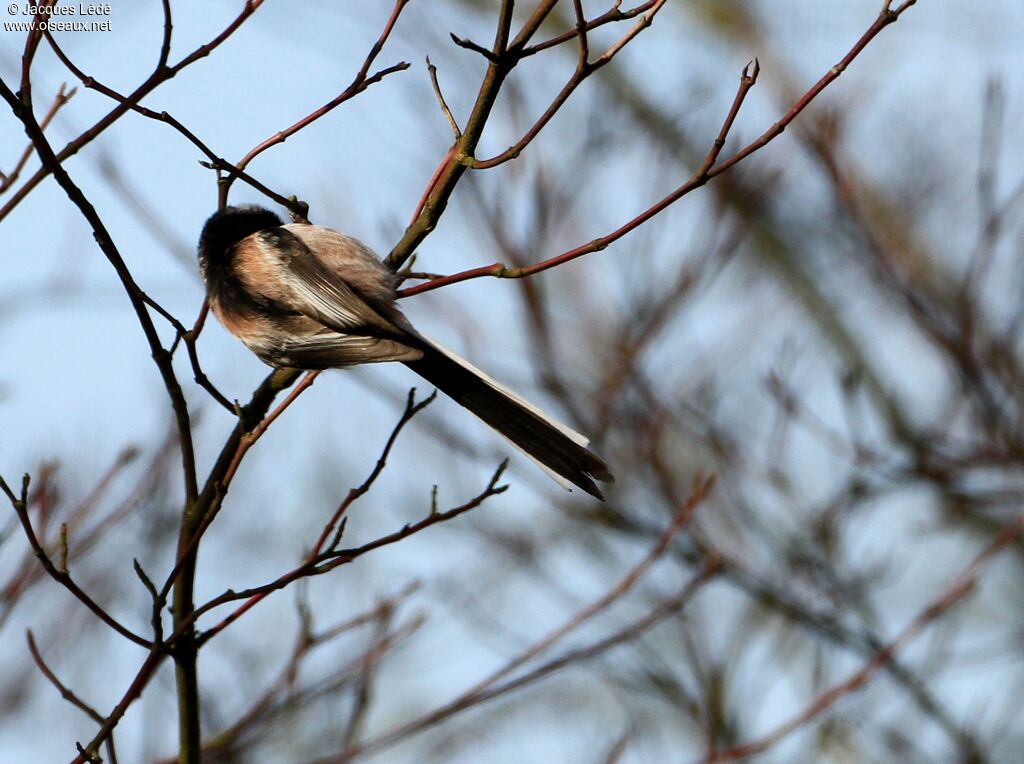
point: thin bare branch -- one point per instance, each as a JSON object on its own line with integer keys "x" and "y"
{"x": 249, "y": 439}
{"x": 584, "y": 69}
{"x": 157, "y": 78}
{"x": 20, "y": 505}
{"x": 63, "y": 96}
{"x": 361, "y": 81}
{"x": 412, "y": 408}
{"x": 614, "y": 14}
{"x": 328, "y": 561}
{"x": 432, "y": 70}
{"x": 69, "y": 695}
{"x": 700, "y": 178}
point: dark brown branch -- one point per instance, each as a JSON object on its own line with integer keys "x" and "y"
{"x": 608, "y": 17}
{"x": 468, "y": 44}
{"x": 165, "y": 43}
{"x": 189, "y": 337}
{"x": 584, "y": 69}
{"x": 214, "y": 161}
{"x": 63, "y": 689}
{"x": 530, "y": 27}
{"x": 157, "y": 78}
{"x": 7, "y": 179}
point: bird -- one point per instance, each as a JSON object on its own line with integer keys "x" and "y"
{"x": 305, "y": 296}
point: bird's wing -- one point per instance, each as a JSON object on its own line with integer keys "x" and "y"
{"x": 306, "y": 284}
{"x": 329, "y": 350}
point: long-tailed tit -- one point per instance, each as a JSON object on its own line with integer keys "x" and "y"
{"x": 307, "y": 297}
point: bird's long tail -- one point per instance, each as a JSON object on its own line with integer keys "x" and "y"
{"x": 561, "y": 451}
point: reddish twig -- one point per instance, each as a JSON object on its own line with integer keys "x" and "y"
{"x": 432, "y": 183}
{"x": 361, "y": 81}
{"x": 468, "y": 44}
{"x": 703, "y": 174}
{"x": 709, "y": 168}
{"x": 492, "y": 489}
{"x": 7, "y": 179}
{"x": 456, "y": 160}
{"x": 250, "y": 438}
{"x": 884, "y": 19}
{"x": 139, "y": 683}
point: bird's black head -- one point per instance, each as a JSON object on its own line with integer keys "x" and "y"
{"x": 229, "y": 226}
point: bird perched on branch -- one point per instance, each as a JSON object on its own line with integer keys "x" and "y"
{"x": 307, "y": 297}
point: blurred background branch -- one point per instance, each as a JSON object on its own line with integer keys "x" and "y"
{"x": 832, "y": 328}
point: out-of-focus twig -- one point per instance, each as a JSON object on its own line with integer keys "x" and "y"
{"x": 660, "y": 612}
{"x": 20, "y": 505}
{"x": 69, "y": 695}
{"x": 961, "y": 587}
